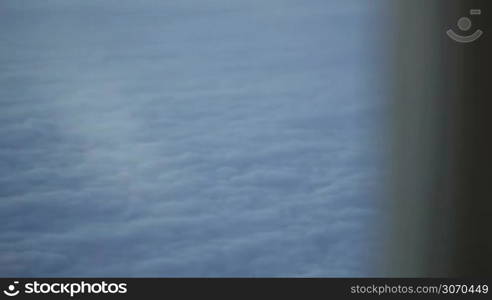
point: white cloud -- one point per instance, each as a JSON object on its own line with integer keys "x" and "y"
{"x": 190, "y": 139}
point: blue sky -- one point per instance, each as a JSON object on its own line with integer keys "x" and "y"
{"x": 189, "y": 138}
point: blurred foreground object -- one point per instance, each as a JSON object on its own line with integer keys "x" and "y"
{"x": 441, "y": 171}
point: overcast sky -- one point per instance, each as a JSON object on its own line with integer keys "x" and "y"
{"x": 189, "y": 138}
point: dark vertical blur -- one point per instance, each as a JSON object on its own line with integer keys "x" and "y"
{"x": 440, "y": 179}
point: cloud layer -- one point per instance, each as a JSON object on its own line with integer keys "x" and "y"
{"x": 188, "y": 138}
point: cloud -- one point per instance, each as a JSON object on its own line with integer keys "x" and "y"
{"x": 226, "y": 138}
